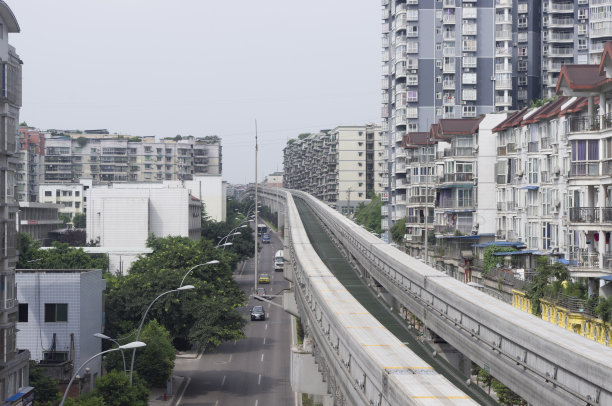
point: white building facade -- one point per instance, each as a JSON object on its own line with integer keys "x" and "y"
{"x": 124, "y": 215}
{"x": 59, "y": 311}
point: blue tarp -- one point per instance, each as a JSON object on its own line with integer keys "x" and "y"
{"x": 524, "y": 252}
{"x": 467, "y": 237}
{"x": 531, "y": 187}
{"x": 563, "y": 261}
{"x": 500, "y": 244}
{"x": 606, "y": 278}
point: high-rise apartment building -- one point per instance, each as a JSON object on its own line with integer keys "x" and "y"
{"x": 30, "y": 167}
{"x": 452, "y": 59}
{"x": 110, "y": 158}
{"x": 342, "y": 167}
{"x": 13, "y": 362}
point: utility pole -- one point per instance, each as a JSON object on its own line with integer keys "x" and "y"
{"x": 350, "y": 189}
{"x": 427, "y": 201}
{"x": 256, "y": 211}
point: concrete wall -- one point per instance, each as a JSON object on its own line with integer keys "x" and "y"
{"x": 83, "y": 292}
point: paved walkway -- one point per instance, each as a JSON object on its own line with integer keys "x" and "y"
{"x": 160, "y": 397}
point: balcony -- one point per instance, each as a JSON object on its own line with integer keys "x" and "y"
{"x": 503, "y": 68}
{"x": 456, "y": 152}
{"x": 469, "y": 29}
{"x": 503, "y": 100}
{"x": 584, "y": 259}
{"x": 448, "y": 68}
{"x": 456, "y": 203}
{"x": 422, "y": 199}
{"x": 586, "y": 124}
{"x": 461, "y": 228}
{"x": 560, "y": 22}
{"x": 560, "y": 8}
{"x": 503, "y": 84}
{"x": 533, "y": 146}
{"x": 503, "y": 3}
{"x": 458, "y": 177}
{"x": 448, "y": 85}
{"x": 501, "y": 151}
{"x": 470, "y": 13}
{"x": 448, "y": 19}
{"x": 561, "y": 37}
{"x": 584, "y": 168}
{"x": 449, "y": 36}
{"x": 589, "y": 214}
{"x": 503, "y": 19}
{"x": 564, "y": 52}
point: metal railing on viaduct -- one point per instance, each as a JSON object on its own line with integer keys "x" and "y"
{"x": 544, "y": 364}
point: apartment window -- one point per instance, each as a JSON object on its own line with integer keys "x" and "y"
{"x": 47, "y": 193}
{"x": 413, "y": 96}
{"x": 438, "y": 46}
{"x": 438, "y": 79}
{"x": 522, "y": 80}
{"x": 412, "y": 80}
{"x": 77, "y": 193}
{"x": 522, "y": 51}
{"x": 582, "y": 29}
{"x": 360, "y": 194}
{"x": 439, "y": 63}
{"x": 522, "y": 22}
{"x": 532, "y": 170}
{"x": 77, "y": 205}
{"x": 582, "y": 59}
{"x": 582, "y": 44}
{"x": 439, "y": 95}
{"x": 55, "y": 312}
{"x": 522, "y": 66}
{"x": 583, "y": 14}
{"x": 412, "y": 127}
{"x": 23, "y": 313}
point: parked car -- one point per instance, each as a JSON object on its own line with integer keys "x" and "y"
{"x": 264, "y": 278}
{"x": 261, "y": 292}
{"x": 258, "y": 313}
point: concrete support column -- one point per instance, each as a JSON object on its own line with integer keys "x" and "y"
{"x": 590, "y": 107}
{"x": 603, "y": 108}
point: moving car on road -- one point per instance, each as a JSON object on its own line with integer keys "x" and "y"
{"x": 279, "y": 260}
{"x": 261, "y": 293}
{"x": 265, "y": 238}
{"x": 264, "y": 278}
{"x": 258, "y": 313}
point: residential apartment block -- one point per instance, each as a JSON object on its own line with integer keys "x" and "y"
{"x": 69, "y": 196}
{"x": 461, "y": 59}
{"x": 13, "y": 362}
{"x": 109, "y": 159}
{"x": 38, "y": 220}
{"x": 30, "y": 168}
{"x": 342, "y": 167}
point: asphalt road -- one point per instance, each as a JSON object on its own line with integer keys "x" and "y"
{"x": 252, "y": 371}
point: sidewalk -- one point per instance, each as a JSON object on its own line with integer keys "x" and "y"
{"x": 156, "y": 398}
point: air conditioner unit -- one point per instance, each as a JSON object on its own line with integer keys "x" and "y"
{"x": 557, "y": 204}
{"x": 520, "y": 173}
{"x": 492, "y": 77}
{"x": 476, "y": 148}
{"x": 466, "y": 69}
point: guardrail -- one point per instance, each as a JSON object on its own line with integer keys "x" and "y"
{"x": 541, "y": 362}
{"x": 362, "y": 362}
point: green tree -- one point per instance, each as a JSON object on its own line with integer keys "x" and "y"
{"x": 604, "y": 309}
{"x": 303, "y": 135}
{"x": 82, "y": 141}
{"x": 491, "y": 261}
{"x": 79, "y": 220}
{"x": 62, "y": 256}
{"x": 486, "y": 379}
{"x": 113, "y": 389}
{"x": 207, "y": 315}
{"x": 505, "y": 396}
{"x": 155, "y": 362}
{"x": 290, "y": 141}
{"x": 398, "y": 230}
{"x": 548, "y": 278}
{"x": 369, "y": 215}
{"x": 65, "y": 218}
{"x": 46, "y": 390}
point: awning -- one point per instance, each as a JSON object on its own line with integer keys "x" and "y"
{"x": 524, "y": 252}
{"x": 515, "y": 244}
{"x": 606, "y": 278}
{"x": 563, "y": 261}
{"x": 531, "y": 187}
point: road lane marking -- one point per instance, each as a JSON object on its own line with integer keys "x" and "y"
{"x": 262, "y": 357}
{"x": 230, "y": 358}
{"x": 266, "y": 326}
{"x": 223, "y": 381}
{"x": 180, "y": 399}
{"x": 259, "y": 380}
{"x": 264, "y": 340}
{"x": 216, "y": 403}
{"x": 256, "y": 402}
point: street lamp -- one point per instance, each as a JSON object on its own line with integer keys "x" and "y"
{"x": 213, "y": 262}
{"x": 133, "y": 345}
{"x": 105, "y": 337}
{"x": 186, "y": 287}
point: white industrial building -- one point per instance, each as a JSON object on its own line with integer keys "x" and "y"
{"x": 59, "y": 311}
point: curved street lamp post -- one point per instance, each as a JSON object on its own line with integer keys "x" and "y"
{"x": 186, "y": 287}
{"x": 132, "y": 345}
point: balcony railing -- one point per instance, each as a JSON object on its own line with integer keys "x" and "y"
{"x": 585, "y": 215}
{"x": 532, "y": 146}
{"x": 584, "y": 168}
{"x": 583, "y": 124}
{"x": 456, "y": 203}
{"x": 421, "y": 199}
{"x": 461, "y": 228}
{"x": 458, "y": 177}
{"x": 457, "y": 151}
{"x": 584, "y": 259}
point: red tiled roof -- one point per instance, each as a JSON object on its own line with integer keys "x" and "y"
{"x": 414, "y": 139}
{"x": 547, "y": 110}
{"x": 512, "y": 120}
{"x": 607, "y": 54}
{"x": 447, "y": 127}
{"x": 581, "y": 77}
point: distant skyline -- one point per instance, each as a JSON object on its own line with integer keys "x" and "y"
{"x": 197, "y": 67}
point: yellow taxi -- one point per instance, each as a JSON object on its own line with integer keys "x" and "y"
{"x": 264, "y": 278}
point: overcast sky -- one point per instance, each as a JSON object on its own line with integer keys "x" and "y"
{"x": 201, "y": 67}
